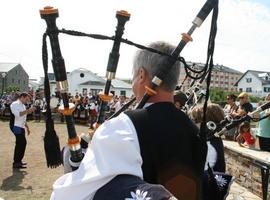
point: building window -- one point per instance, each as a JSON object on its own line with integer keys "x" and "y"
{"x": 240, "y": 89}
{"x": 249, "y": 80}
{"x": 266, "y": 89}
{"x": 249, "y": 89}
{"x": 13, "y": 80}
{"x": 24, "y": 82}
{"x": 19, "y": 81}
{"x": 95, "y": 91}
{"x": 81, "y": 75}
{"x": 16, "y": 72}
{"x": 122, "y": 93}
{"x": 84, "y": 91}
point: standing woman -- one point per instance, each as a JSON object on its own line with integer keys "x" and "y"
{"x": 229, "y": 108}
{"x": 18, "y": 126}
{"x": 263, "y": 132}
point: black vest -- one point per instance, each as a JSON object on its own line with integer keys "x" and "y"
{"x": 167, "y": 137}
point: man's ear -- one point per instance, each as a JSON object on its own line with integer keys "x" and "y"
{"x": 142, "y": 75}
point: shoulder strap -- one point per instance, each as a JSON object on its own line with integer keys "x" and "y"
{"x": 141, "y": 121}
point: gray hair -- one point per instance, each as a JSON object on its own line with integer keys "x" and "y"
{"x": 152, "y": 62}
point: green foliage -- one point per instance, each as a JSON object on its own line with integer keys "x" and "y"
{"x": 255, "y": 99}
{"x": 11, "y": 88}
{"x": 219, "y": 96}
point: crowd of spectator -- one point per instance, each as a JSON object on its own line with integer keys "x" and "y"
{"x": 86, "y": 106}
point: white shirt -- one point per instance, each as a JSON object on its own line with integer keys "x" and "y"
{"x": 211, "y": 157}
{"x": 17, "y": 107}
{"x": 118, "y": 105}
{"x": 113, "y": 150}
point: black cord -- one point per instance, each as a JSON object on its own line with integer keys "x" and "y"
{"x": 187, "y": 68}
{"x": 209, "y": 62}
{"x": 46, "y": 78}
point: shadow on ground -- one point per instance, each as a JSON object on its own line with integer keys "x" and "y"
{"x": 14, "y": 181}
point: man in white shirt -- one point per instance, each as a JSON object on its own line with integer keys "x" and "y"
{"x": 18, "y": 126}
{"x": 118, "y": 147}
{"x": 119, "y": 104}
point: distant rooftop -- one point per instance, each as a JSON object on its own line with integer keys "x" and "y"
{"x": 217, "y": 67}
{"x": 5, "y": 67}
{"x": 260, "y": 74}
{"x": 116, "y": 83}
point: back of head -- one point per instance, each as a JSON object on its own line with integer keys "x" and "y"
{"x": 232, "y": 96}
{"x": 245, "y": 125}
{"x": 180, "y": 97}
{"x": 153, "y": 62}
{"x": 23, "y": 95}
{"x": 213, "y": 113}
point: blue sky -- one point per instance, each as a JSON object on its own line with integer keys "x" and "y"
{"x": 264, "y": 2}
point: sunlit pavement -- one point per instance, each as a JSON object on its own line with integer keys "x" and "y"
{"x": 238, "y": 192}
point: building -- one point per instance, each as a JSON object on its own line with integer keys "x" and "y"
{"x": 52, "y": 83}
{"x": 13, "y": 75}
{"x": 84, "y": 81}
{"x": 256, "y": 83}
{"x": 33, "y": 84}
{"x": 222, "y": 77}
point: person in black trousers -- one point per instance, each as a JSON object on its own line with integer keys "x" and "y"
{"x": 18, "y": 126}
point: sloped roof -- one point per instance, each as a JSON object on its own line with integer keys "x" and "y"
{"x": 5, "y": 67}
{"x": 255, "y": 73}
{"x": 117, "y": 83}
{"x": 215, "y": 68}
{"x": 97, "y": 80}
{"x": 94, "y": 77}
{"x": 93, "y": 83}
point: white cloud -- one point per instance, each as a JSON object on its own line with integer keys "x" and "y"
{"x": 242, "y": 39}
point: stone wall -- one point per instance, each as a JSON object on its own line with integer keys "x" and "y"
{"x": 246, "y": 173}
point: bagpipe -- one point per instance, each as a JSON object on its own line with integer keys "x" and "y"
{"x": 228, "y": 123}
{"x": 49, "y": 14}
{"x": 196, "y": 92}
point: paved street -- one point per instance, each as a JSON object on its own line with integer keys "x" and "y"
{"x": 239, "y": 193}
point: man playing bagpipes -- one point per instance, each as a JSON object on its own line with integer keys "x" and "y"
{"x": 158, "y": 143}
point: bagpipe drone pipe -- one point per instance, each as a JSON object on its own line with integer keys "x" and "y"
{"x": 196, "y": 92}
{"x": 50, "y": 14}
{"x": 122, "y": 17}
{"x": 51, "y": 141}
{"x": 217, "y": 130}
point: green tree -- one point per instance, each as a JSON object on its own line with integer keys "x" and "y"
{"x": 219, "y": 96}
{"x": 11, "y": 88}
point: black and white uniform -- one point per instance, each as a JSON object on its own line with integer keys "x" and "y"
{"x": 118, "y": 148}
